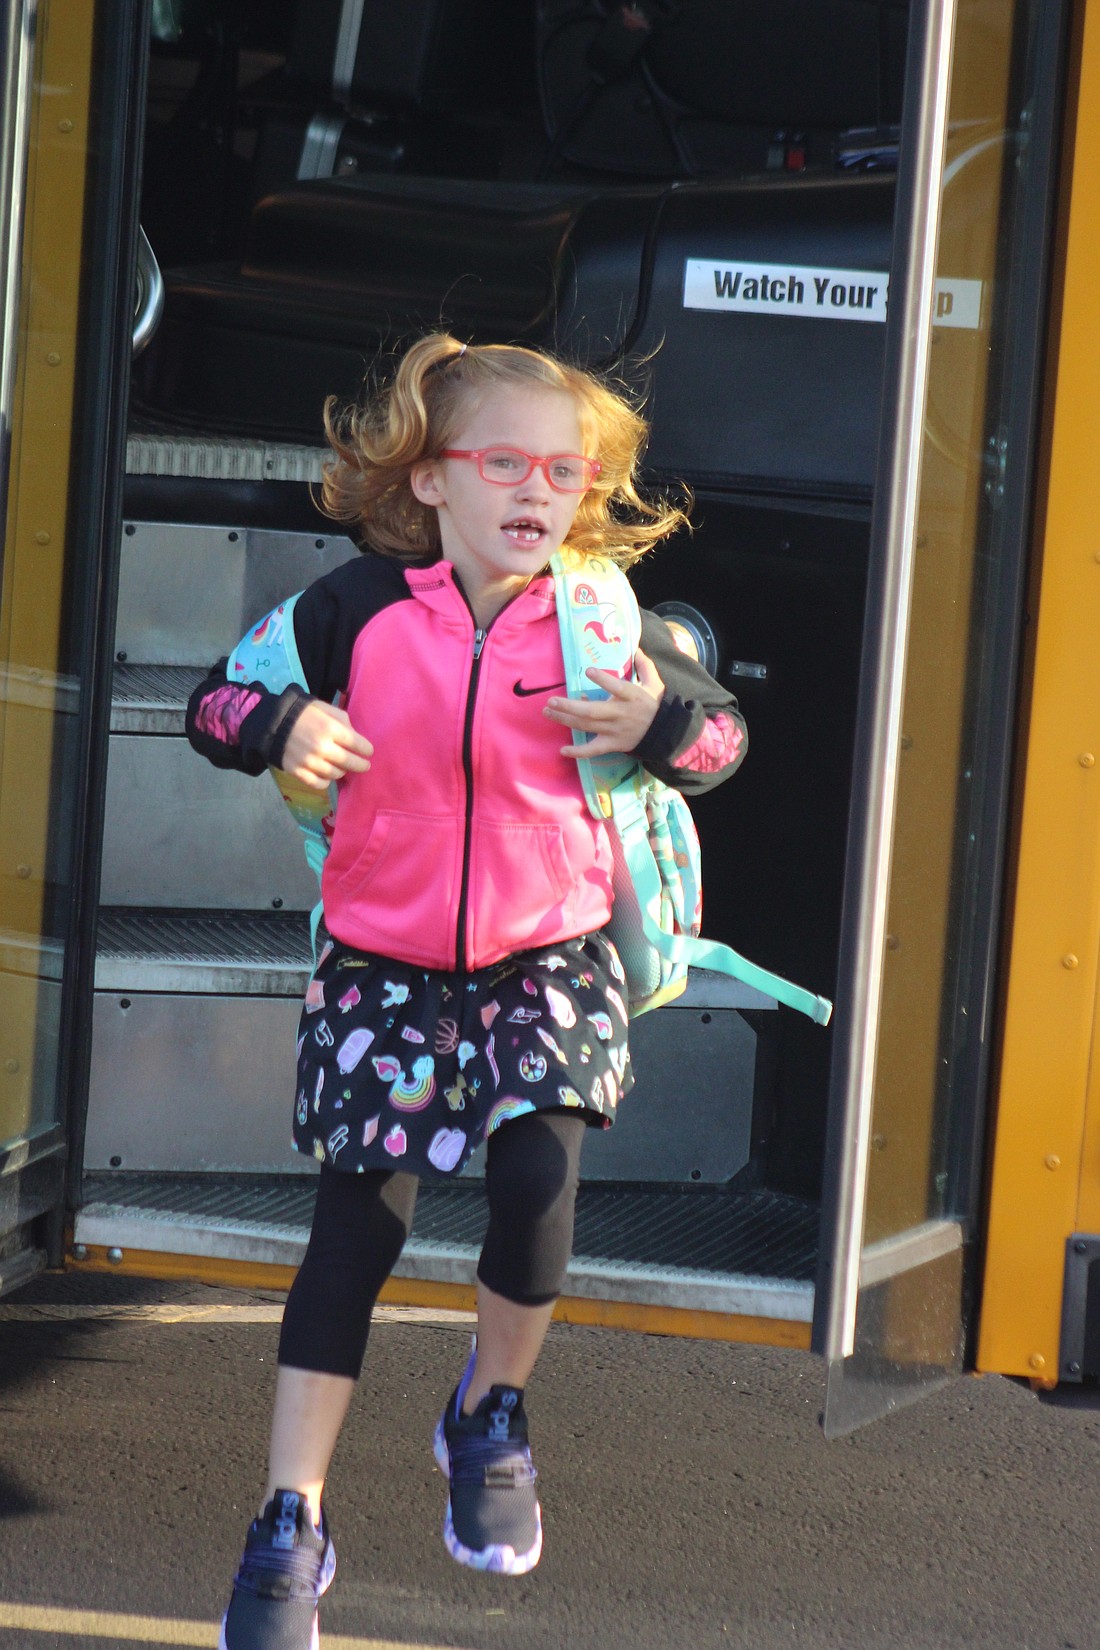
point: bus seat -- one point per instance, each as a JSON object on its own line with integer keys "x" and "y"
{"x": 408, "y": 55}
{"x": 336, "y": 272}
{"x": 783, "y": 395}
{"x": 716, "y": 86}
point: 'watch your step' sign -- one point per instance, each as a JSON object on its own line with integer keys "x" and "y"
{"x": 825, "y": 294}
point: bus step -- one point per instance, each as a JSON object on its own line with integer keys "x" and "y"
{"x": 157, "y": 448}
{"x": 152, "y": 698}
{"x": 747, "y": 1252}
{"x": 242, "y": 953}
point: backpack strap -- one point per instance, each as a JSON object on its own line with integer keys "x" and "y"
{"x": 269, "y": 654}
{"x": 600, "y": 625}
{"x": 689, "y": 950}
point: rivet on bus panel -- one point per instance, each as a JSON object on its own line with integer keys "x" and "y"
{"x": 64, "y": 125}
{"x": 1086, "y": 759}
{"x": 1036, "y": 1361}
{"x": 1069, "y": 960}
{"x": 892, "y": 942}
{"x": 1052, "y": 1160}
{"x": 42, "y": 537}
{"x": 53, "y": 359}
{"x": 115, "y": 1257}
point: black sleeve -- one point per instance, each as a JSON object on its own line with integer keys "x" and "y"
{"x": 692, "y": 698}
{"x": 232, "y": 728}
{"x": 247, "y": 742}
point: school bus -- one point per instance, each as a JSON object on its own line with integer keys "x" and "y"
{"x": 850, "y": 251}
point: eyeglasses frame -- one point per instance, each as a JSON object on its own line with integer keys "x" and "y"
{"x": 592, "y": 465}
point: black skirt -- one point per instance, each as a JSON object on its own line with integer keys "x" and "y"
{"x": 402, "y": 1068}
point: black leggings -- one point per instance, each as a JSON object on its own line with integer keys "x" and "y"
{"x": 361, "y": 1221}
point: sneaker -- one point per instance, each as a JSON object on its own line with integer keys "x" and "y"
{"x": 493, "y": 1519}
{"x": 287, "y": 1565}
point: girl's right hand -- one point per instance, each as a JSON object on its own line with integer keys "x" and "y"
{"x": 323, "y": 746}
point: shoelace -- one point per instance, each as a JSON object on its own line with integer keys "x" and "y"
{"x": 261, "y": 1565}
{"x": 491, "y": 1460}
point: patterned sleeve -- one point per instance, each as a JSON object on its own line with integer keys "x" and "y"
{"x": 698, "y": 736}
{"x": 239, "y": 725}
{"x": 718, "y": 746}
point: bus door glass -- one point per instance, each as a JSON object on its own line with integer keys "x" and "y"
{"x": 938, "y": 681}
{"x": 61, "y": 169}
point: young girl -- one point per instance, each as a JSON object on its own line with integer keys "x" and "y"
{"x": 466, "y": 991}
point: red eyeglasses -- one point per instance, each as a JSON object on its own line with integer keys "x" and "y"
{"x": 509, "y": 467}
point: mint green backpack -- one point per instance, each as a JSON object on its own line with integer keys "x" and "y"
{"x": 655, "y": 922}
{"x": 656, "y": 919}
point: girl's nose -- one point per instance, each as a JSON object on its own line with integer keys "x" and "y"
{"x": 536, "y": 484}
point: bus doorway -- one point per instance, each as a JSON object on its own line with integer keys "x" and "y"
{"x": 314, "y": 196}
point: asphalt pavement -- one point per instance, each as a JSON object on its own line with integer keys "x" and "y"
{"x": 689, "y": 1497}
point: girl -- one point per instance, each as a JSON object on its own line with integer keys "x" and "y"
{"x": 465, "y": 991}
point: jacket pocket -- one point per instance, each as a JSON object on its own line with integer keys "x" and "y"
{"x": 400, "y": 889}
{"x": 521, "y": 886}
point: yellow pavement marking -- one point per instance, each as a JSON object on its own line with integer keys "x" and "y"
{"x": 103, "y": 1624}
{"x": 259, "y": 1312}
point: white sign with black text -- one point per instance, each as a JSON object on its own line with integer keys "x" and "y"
{"x": 821, "y": 293}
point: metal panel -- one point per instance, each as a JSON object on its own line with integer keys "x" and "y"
{"x": 217, "y": 1107}
{"x": 1048, "y": 1100}
{"x": 688, "y": 1118}
{"x": 192, "y": 1083}
{"x": 180, "y": 832}
{"x": 1080, "y": 1343}
{"x": 909, "y": 1341}
{"x": 219, "y": 578}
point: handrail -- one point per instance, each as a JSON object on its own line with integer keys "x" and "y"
{"x": 18, "y": 28}
{"x": 149, "y": 294}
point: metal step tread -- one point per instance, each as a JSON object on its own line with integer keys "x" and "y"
{"x": 258, "y": 953}
{"x": 152, "y": 698}
{"x": 268, "y": 953}
{"x": 157, "y": 448}
{"x": 751, "y": 1251}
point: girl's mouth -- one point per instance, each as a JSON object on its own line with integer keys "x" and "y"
{"x": 524, "y": 530}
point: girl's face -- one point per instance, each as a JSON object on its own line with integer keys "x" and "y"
{"x": 499, "y": 537}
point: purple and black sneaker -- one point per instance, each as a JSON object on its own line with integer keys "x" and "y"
{"x": 493, "y": 1519}
{"x": 287, "y": 1565}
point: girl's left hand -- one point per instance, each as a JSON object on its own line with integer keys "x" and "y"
{"x": 620, "y": 722}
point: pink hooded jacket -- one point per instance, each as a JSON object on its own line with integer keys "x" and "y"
{"x": 469, "y": 837}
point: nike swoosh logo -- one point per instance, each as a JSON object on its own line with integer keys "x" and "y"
{"x": 522, "y": 692}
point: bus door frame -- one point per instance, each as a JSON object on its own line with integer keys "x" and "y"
{"x": 89, "y": 191}
{"x": 925, "y": 1275}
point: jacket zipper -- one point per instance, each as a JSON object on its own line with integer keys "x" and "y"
{"x": 468, "y": 773}
{"x": 480, "y": 636}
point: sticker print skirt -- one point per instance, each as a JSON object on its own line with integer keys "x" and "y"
{"x": 399, "y": 1068}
